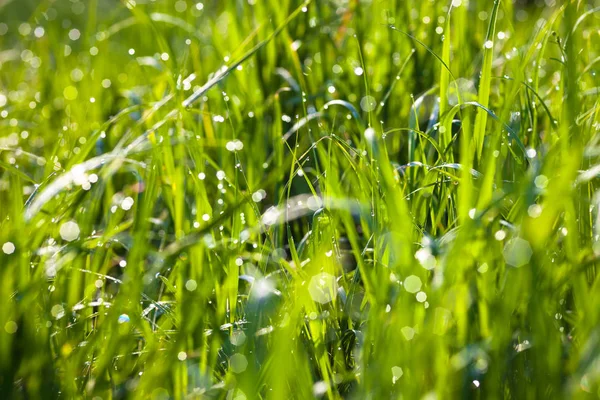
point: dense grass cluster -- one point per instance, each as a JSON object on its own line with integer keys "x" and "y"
{"x": 260, "y": 199}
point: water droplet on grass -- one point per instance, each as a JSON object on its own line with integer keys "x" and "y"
{"x": 323, "y": 288}
{"x": 70, "y": 93}
{"x": 500, "y": 235}
{"x": 370, "y": 134}
{"x": 517, "y": 252}
{"x": 234, "y": 145}
{"x": 74, "y": 34}
{"x": 408, "y": 332}
{"x": 320, "y": 388}
{"x": 11, "y": 327}
{"x": 39, "y": 32}
{"x": 238, "y": 363}
{"x": 425, "y": 258}
{"x": 412, "y": 284}
{"x": 534, "y": 210}
{"x": 69, "y": 231}
{"x": 238, "y": 338}
{"x": 271, "y": 216}
{"x": 127, "y": 203}
{"x": 397, "y": 373}
{"x": 191, "y": 285}
{"x": 368, "y": 103}
{"x": 541, "y": 181}
{"x": 57, "y": 311}
{"x": 8, "y": 248}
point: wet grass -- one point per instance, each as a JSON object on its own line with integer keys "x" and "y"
{"x": 328, "y": 199}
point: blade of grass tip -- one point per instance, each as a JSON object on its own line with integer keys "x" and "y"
{"x": 573, "y": 140}
{"x": 445, "y": 68}
{"x": 365, "y": 80}
{"x": 433, "y": 53}
{"x": 446, "y": 128}
{"x": 485, "y": 80}
{"x": 580, "y": 20}
{"x": 393, "y": 85}
{"x": 457, "y": 37}
{"x": 466, "y": 188}
{"x": 539, "y": 45}
{"x": 540, "y": 230}
{"x": 398, "y": 211}
{"x": 413, "y": 123}
{"x": 173, "y": 113}
{"x": 9, "y": 168}
{"x": 224, "y": 71}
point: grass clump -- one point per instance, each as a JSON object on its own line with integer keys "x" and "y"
{"x": 319, "y": 199}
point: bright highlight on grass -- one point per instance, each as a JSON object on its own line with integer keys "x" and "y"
{"x": 299, "y": 199}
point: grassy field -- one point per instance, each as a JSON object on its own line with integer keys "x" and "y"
{"x": 260, "y": 199}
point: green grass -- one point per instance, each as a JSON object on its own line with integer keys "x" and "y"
{"x": 275, "y": 199}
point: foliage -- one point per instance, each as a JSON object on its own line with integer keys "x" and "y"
{"x": 330, "y": 199}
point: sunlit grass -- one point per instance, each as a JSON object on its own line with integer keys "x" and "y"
{"x": 319, "y": 199}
